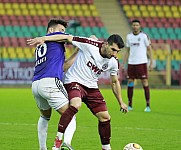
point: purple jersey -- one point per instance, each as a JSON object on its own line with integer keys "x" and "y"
{"x": 49, "y": 59}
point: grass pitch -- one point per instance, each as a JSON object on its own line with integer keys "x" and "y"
{"x": 158, "y": 130}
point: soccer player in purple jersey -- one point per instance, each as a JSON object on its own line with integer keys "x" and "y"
{"x": 93, "y": 58}
{"x": 47, "y": 86}
{"x": 138, "y": 47}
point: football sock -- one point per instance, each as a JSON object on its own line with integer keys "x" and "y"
{"x": 130, "y": 95}
{"x": 69, "y": 132}
{"x": 105, "y": 132}
{"x": 42, "y": 132}
{"x": 106, "y": 147}
{"x": 147, "y": 95}
{"x": 66, "y": 118}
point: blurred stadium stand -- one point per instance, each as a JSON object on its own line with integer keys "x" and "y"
{"x": 23, "y": 19}
{"x": 161, "y": 20}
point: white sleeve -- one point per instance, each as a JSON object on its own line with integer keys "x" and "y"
{"x": 147, "y": 40}
{"x": 114, "y": 67}
{"x": 127, "y": 41}
{"x": 84, "y": 44}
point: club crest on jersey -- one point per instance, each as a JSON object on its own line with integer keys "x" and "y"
{"x": 105, "y": 66}
{"x": 139, "y": 39}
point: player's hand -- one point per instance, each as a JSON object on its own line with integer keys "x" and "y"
{"x": 36, "y": 41}
{"x": 150, "y": 67}
{"x": 124, "y": 108}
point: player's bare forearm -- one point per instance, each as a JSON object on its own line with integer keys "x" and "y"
{"x": 126, "y": 56}
{"x": 116, "y": 88}
{"x": 70, "y": 60}
{"x": 149, "y": 48}
{"x": 41, "y": 40}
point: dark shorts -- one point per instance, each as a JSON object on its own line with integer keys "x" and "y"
{"x": 137, "y": 71}
{"x": 90, "y": 96}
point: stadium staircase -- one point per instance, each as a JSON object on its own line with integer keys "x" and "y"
{"x": 161, "y": 21}
{"x": 114, "y": 23}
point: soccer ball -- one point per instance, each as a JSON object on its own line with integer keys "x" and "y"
{"x": 132, "y": 146}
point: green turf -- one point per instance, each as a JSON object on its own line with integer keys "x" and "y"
{"x": 157, "y": 130}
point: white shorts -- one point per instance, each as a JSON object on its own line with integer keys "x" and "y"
{"x": 49, "y": 92}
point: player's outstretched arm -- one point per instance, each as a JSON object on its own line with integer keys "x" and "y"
{"x": 69, "y": 61}
{"x": 41, "y": 40}
{"x": 116, "y": 88}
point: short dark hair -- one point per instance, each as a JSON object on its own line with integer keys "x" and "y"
{"x": 56, "y": 21}
{"x": 135, "y": 20}
{"x": 115, "y": 38}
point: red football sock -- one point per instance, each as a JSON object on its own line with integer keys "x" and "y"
{"x": 66, "y": 118}
{"x": 130, "y": 95}
{"x": 105, "y": 132}
{"x": 147, "y": 95}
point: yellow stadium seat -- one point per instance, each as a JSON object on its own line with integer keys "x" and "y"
{"x": 1, "y": 6}
{"x": 79, "y": 13}
{"x": 53, "y": 6}
{"x": 162, "y": 57}
{"x": 61, "y": 7}
{"x": 15, "y": 6}
{"x": 87, "y": 13}
{"x": 69, "y": 7}
{"x": 137, "y": 14}
{"x": 63, "y": 13}
{"x": 142, "y": 8}
{"x": 22, "y": 6}
{"x": 174, "y": 8}
{"x": 18, "y": 12}
{"x": 2, "y": 12}
{"x": 150, "y": 8}
{"x": 95, "y": 13}
{"x": 168, "y": 14}
{"x": 9, "y": 11}
{"x": 25, "y": 12}
{"x": 166, "y": 8}
{"x": 134, "y": 7}
{"x": 7, "y": 6}
{"x": 49, "y": 12}
{"x": 84, "y": 7}
{"x": 158, "y": 8}
{"x": 153, "y": 14}
{"x": 145, "y": 14}
{"x": 129, "y": 14}
{"x": 30, "y": 6}
{"x": 92, "y": 7}
{"x": 32, "y": 12}
{"x": 126, "y": 7}
{"x": 161, "y": 14}
{"x": 45, "y": 6}
{"x": 71, "y": 13}
{"x": 41, "y": 12}
{"x": 179, "y": 8}
{"x": 176, "y": 14}
{"x": 38, "y": 6}
{"x": 76, "y": 6}
{"x": 55, "y": 12}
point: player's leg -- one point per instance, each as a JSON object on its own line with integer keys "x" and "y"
{"x": 45, "y": 111}
{"x": 65, "y": 122}
{"x": 143, "y": 75}
{"x": 96, "y": 103}
{"x": 104, "y": 129}
{"x": 43, "y": 128}
{"x": 130, "y": 89}
{"x": 146, "y": 93}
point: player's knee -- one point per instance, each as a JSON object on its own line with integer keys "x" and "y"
{"x": 76, "y": 102}
{"x": 131, "y": 84}
{"x": 103, "y": 116}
